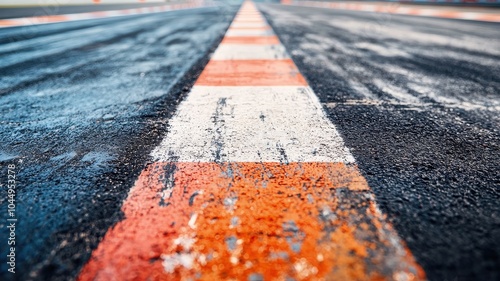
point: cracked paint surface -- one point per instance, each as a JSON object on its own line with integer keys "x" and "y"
{"x": 251, "y": 182}
{"x": 309, "y": 221}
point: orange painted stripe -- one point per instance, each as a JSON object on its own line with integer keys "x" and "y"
{"x": 8, "y": 22}
{"x": 413, "y": 12}
{"x": 209, "y": 221}
{"x": 249, "y": 18}
{"x": 251, "y": 73}
{"x": 250, "y": 28}
{"x": 247, "y": 21}
{"x": 448, "y": 14}
{"x": 34, "y": 20}
{"x": 51, "y": 18}
{"x": 489, "y": 17}
{"x": 237, "y": 21}
{"x": 257, "y": 40}
{"x": 246, "y": 220}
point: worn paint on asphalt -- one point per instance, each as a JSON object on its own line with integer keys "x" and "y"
{"x": 83, "y": 103}
{"x": 244, "y": 186}
{"x": 417, "y": 102}
{"x": 45, "y": 19}
{"x": 394, "y": 8}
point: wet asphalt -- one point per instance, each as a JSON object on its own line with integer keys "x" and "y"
{"x": 82, "y": 104}
{"x": 417, "y": 102}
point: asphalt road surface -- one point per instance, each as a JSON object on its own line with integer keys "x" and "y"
{"x": 416, "y": 100}
{"x": 54, "y": 9}
{"x": 82, "y": 104}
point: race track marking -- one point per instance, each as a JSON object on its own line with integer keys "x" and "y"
{"x": 99, "y": 14}
{"x": 392, "y": 8}
{"x": 251, "y": 182}
{"x": 265, "y": 40}
{"x": 251, "y": 72}
{"x": 234, "y": 51}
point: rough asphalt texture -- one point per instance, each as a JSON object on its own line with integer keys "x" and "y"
{"x": 82, "y": 104}
{"x": 19, "y": 12}
{"x": 417, "y": 101}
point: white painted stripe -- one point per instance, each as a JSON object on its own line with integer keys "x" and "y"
{"x": 248, "y": 32}
{"x": 257, "y": 15}
{"x": 429, "y": 13}
{"x": 252, "y": 124}
{"x": 245, "y": 17}
{"x": 471, "y": 16}
{"x": 248, "y": 52}
{"x": 249, "y": 25}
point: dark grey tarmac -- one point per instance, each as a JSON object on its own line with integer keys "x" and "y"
{"x": 417, "y": 100}
{"x": 7, "y": 12}
{"x": 82, "y": 104}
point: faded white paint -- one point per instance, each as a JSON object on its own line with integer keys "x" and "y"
{"x": 252, "y": 124}
{"x": 248, "y": 24}
{"x": 248, "y": 32}
{"x": 250, "y": 52}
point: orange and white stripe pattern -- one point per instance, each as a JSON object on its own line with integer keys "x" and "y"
{"x": 251, "y": 182}
{"x": 100, "y": 14}
{"x": 395, "y": 8}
